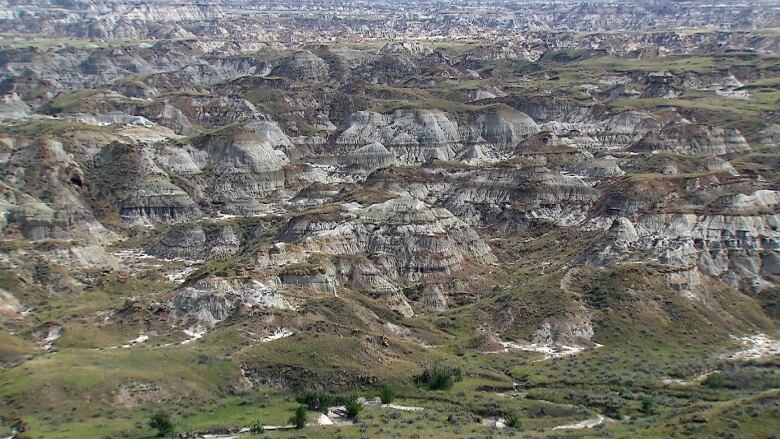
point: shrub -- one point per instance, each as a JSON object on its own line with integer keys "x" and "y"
{"x": 438, "y": 376}
{"x": 161, "y": 421}
{"x": 256, "y": 427}
{"x": 648, "y": 405}
{"x": 512, "y": 420}
{"x": 298, "y": 419}
{"x": 319, "y": 401}
{"x": 715, "y": 381}
{"x": 353, "y": 405}
{"x": 386, "y": 394}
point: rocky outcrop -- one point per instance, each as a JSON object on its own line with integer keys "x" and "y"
{"x": 197, "y": 242}
{"x": 546, "y": 148}
{"x": 174, "y": 119}
{"x": 564, "y": 331}
{"x": 479, "y": 94}
{"x": 494, "y": 194}
{"x": 238, "y": 167}
{"x": 114, "y": 117}
{"x": 143, "y": 190}
{"x": 735, "y": 241}
{"x": 214, "y": 112}
{"x": 586, "y": 124}
{"x": 371, "y": 156}
{"x": 10, "y": 308}
{"x": 693, "y": 140}
{"x": 503, "y": 127}
{"x": 614, "y": 245}
{"x": 311, "y": 279}
{"x": 403, "y": 238}
{"x": 406, "y": 48}
{"x": 13, "y": 107}
{"x": 206, "y": 302}
{"x": 414, "y": 136}
{"x": 42, "y": 195}
{"x": 769, "y": 136}
{"x": 304, "y": 66}
{"x": 599, "y": 168}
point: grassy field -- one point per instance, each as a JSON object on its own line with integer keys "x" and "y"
{"x": 17, "y": 41}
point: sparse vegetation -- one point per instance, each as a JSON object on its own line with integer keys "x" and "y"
{"x": 257, "y": 427}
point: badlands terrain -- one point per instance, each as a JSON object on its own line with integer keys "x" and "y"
{"x": 371, "y": 219}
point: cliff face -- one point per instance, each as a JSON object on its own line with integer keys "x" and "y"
{"x": 735, "y": 240}
{"x": 236, "y": 166}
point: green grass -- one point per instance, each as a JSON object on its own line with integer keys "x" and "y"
{"x": 65, "y": 102}
{"x": 45, "y": 127}
{"x": 14, "y": 348}
{"x": 24, "y": 41}
{"x": 675, "y": 63}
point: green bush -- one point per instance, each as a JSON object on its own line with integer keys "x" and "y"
{"x": 353, "y": 405}
{"x": 648, "y": 405}
{"x": 438, "y": 376}
{"x": 161, "y": 421}
{"x": 256, "y": 427}
{"x": 318, "y": 401}
{"x": 715, "y": 381}
{"x": 386, "y": 394}
{"x": 512, "y": 420}
{"x": 298, "y": 419}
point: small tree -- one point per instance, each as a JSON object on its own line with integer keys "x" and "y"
{"x": 353, "y": 405}
{"x": 386, "y": 394}
{"x": 648, "y": 405}
{"x": 298, "y": 419}
{"x": 161, "y": 421}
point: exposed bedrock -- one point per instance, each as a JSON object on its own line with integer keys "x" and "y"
{"x": 414, "y": 136}
{"x": 238, "y": 167}
{"x": 404, "y": 238}
{"x": 737, "y": 241}
{"x": 588, "y": 125}
{"x": 195, "y": 242}
{"x": 491, "y": 194}
{"x": 206, "y": 302}
{"x": 43, "y": 195}
{"x": 693, "y": 139}
{"x": 142, "y": 189}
